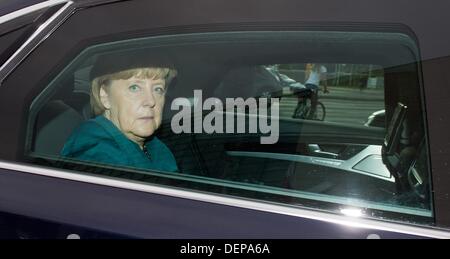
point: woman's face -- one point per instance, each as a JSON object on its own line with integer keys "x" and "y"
{"x": 135, "y": 106}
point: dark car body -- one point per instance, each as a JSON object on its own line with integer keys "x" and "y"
{"x": 46, "y": 197}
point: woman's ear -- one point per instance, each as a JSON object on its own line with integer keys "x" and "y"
{"x": 104, "y": 98}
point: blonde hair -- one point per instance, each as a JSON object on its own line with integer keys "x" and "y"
{"x": 142, "y": 73}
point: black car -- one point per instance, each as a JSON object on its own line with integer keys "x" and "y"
{"x": 337, "y": 178}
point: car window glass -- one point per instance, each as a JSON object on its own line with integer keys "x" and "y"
{"x": 272, "y": 116}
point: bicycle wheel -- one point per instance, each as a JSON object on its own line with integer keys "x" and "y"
{"x": 301, "y": 111}
{"x": 297, "y": 111}
{"x": 320, "y": 112}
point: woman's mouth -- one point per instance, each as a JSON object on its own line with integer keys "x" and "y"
{"x": 146, "y": 118}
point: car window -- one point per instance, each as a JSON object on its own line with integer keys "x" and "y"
{"x": 324, "y": 120}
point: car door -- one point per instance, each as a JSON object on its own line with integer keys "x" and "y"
{"x": 335, "y": 178}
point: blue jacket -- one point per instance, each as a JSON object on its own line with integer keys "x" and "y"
{"x": 99, "y": 141}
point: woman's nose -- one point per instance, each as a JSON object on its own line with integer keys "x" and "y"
{"x": 149, "y": 98}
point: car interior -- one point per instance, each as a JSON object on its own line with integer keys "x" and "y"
{"x": 310, "y": 156}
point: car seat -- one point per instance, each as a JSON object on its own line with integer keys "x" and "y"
{"x": 54, "y": 124}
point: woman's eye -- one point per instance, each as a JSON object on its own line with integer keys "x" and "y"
{"x": 159, "y": 89}
{"x": 134, "y": 88}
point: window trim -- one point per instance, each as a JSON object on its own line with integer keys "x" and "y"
{"x": 30, "y": 9}
{"x": 34, "y": 40}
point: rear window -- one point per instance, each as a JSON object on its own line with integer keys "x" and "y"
{"x": 321, "y": 120}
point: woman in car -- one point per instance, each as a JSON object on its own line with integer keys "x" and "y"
{"x": 127, "y": 97}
